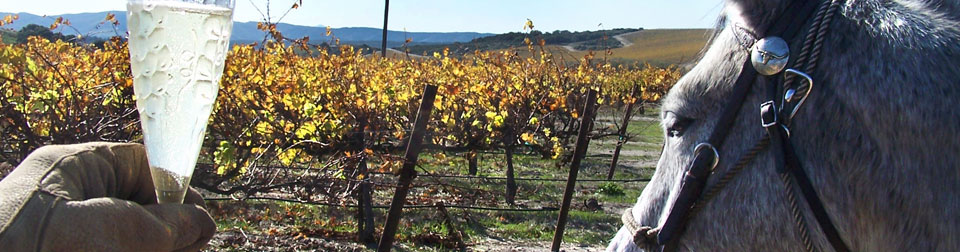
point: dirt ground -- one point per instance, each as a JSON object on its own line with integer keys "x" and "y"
{"x": 278, "y": 233}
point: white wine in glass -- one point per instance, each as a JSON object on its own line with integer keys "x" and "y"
{"x": 177, "y": 52}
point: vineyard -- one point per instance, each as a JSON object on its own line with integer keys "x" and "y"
{"x": 298, "y": 124}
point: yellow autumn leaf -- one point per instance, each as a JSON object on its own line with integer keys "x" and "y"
{"x": 528, "y": 138}
{"x": 288, "y": 156}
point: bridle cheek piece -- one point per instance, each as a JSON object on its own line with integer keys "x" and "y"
{"x": 769, "y": 57}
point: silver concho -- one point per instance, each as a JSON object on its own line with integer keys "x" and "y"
{"x": 770, "y": 55}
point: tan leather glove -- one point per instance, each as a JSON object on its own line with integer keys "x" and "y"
{"x": 95, "y": 197}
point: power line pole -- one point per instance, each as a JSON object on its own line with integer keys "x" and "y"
{"x": 383, "y": 44}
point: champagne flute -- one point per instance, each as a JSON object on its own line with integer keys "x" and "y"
{"x": 177, "y": 53}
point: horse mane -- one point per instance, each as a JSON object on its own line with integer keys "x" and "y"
{"x": 886, "y": 103}
{"x": 911, "y": 23}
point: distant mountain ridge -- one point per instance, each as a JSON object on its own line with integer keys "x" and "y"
{"x": 244, "y": 32}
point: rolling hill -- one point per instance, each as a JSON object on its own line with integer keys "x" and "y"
{"x": 658, "y": 47}
{"x": 91, "y": 24}
{"x": 575, "y": 40}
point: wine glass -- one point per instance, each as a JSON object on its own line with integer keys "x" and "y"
{"x": 177, "y": 53}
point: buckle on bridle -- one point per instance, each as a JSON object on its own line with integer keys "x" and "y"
{"x": 768, "y": 114}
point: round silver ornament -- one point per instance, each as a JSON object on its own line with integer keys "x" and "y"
{"x": 770, "y": 55}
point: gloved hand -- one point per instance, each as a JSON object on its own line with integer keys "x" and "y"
{"x": 95, "y": 197}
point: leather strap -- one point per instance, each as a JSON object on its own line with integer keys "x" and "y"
{"x": 773, "y": 121}
{"x": 792, "y": 166}
{"x": 696, "y": 176}
{"x": 810, "y": 195}
{"x": 788, "y": 162}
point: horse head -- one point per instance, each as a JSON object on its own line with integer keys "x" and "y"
{"x": 875, "y": 135}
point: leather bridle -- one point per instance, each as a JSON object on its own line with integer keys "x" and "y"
{"x": 769, "y": 56}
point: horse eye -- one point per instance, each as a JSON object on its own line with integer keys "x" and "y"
{"x": 676, "y": 124}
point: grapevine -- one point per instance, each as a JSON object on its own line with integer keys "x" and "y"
{"x": 291, "y": 105}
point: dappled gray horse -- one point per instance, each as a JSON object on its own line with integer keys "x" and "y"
{"x": 876, "y": 136}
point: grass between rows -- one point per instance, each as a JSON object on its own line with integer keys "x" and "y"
{"x": 424, "y": 229}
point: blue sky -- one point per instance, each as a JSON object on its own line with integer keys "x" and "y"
{"x": 494, "y": 16}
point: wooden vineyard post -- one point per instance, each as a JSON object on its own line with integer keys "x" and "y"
{"x": 622, "y": 134}
{"x": 472, "y": 158}
{"x": 511, "y": 181}
{"x": 407, "y": 172}
{"x": 364, "y": 198}
{"x": 578, "y": 152}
